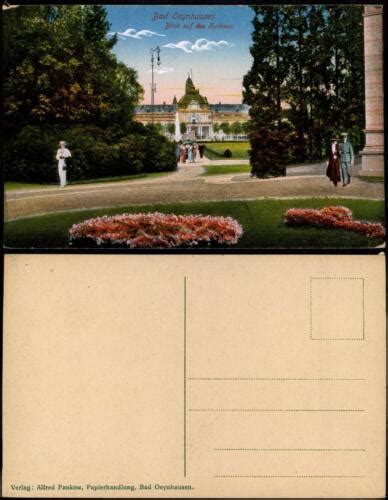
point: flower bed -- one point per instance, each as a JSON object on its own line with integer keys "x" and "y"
{"x": 335, "y": 217}
{"x": 156, "y": 230}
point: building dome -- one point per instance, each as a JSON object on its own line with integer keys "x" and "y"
{"x": 192, "y": 96}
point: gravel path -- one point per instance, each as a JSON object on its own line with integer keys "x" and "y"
{"x": 187, "y": 184}
{"x": 183, "y": 186}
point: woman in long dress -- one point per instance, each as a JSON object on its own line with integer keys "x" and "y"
{"x": 333, "y": 162}
{"x": 190, "y": 153}
{"x": 195, "y": 152}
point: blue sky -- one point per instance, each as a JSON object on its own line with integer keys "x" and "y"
{"x": 217, "y": 52}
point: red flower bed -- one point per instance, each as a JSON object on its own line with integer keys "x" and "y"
{"x": 336, "y": 217}
{"x": 156, "y": 230}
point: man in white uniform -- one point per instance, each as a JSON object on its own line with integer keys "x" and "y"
{"x": 62, "y": 154}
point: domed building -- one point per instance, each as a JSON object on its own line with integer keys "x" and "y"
{"x": 195, "y": 111}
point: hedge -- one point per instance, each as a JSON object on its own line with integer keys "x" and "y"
{"x": 30, "y": 156}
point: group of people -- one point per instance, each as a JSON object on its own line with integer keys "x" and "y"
{"x": 340, "y": 160}
{"x": 190, "y": 152}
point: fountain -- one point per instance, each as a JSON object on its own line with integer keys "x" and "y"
{"x": 178, "y": 135}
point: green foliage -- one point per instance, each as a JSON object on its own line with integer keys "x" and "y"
{"x": 171, "y": 128}
{"x": 236, "y": 128}
{"x": 31, "y": 154}
{"x": 158, "y": 127}
{"x": 225, "y": 127}
{"x": 245, "y": 127}
{"x": 268, "y": 151}
{"x": 264, "y": 90}
{"x": 160, "y": 154}
{"x": 307, "y": 72}
{"x": 59, "y": 68}
{"x": 62, "y": 82}
{"x": 183, "y": 128}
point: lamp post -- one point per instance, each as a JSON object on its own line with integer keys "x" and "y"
{"x": 154, "y": 51}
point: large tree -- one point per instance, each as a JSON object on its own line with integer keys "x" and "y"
{"x": 307, "y": 68}
{"x": 60, "y": 69}
{"x": 309, "y": 81}
{"x": 295, "y": 44}
{"x": 318, "y": 79}
{"x": 264, "y": 91}
{"x": 347, "y": 50}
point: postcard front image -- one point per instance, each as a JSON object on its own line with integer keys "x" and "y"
{"x": 180, "y": 127}
{"x": 194, "y": 238}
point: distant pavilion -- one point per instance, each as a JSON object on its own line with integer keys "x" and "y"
{"x": 195, "y": 111}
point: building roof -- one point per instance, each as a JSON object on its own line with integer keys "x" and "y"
{"x": 171, "y": 108}
{"x": 156, "y": 108}
{"x": 229, "y": 108}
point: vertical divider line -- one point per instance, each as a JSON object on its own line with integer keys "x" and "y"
{"x": 184, "y": 373}
{"x": 363, "y": 308}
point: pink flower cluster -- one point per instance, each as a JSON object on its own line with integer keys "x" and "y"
{"x": 156, "y": 230}
{"x": 335, "y": 217}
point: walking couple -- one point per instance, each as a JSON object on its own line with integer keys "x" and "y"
{"x": 341, "y": 159}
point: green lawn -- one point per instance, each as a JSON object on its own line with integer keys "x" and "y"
{"x": 262, "y": 221}
{"x": 226, "y": 169}
{"x": 12, "y": 186}
{"x": 215, "y": 150}
{"x": 371, "y": 178}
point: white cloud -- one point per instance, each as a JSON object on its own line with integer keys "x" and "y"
{"x": 138, "y": 34}
{"x": 199, "y": 45}
{"x": 162, "y": 70}
{"x": 183, "y": 45}
{"x": 203, "y": 44}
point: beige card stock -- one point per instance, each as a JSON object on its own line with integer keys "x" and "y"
{"x": 194, "y": 376}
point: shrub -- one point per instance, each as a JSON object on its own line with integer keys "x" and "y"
{"x": 227, "y": 153}
{"x": 131, "y": 155}
{"x": 30, "y": 156}
{"x": 90, "y": 158}
{"x": 268, "y": 153}
{"x": 160, "y": 155}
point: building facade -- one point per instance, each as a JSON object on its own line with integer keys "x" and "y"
{"x": 195, "y": 112}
